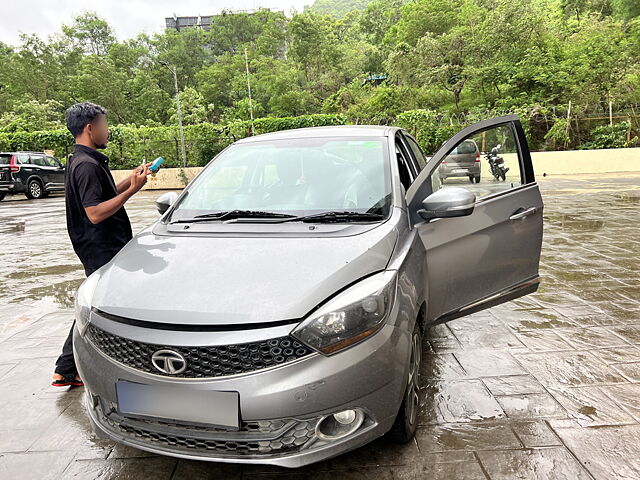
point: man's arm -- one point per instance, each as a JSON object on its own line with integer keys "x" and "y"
{"x": 102, "y": 211}
{"x": 123, "y": 185}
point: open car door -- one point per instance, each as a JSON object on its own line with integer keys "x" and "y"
{"x": 485, "y": 250}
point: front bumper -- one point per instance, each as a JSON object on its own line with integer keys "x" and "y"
{"x": 280, "y": 407}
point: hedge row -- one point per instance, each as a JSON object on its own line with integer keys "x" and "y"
{"x": 128, "y": 145}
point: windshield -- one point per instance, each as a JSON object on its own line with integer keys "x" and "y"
{"x": 465, "y": 147}
{"x": 301, "y": 176}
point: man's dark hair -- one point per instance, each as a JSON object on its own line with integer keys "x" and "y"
{"x": 82, "y": 114}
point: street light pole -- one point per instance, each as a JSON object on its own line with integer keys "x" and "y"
{"x": 246, "y": 63}
{"x": 175, "y": 81}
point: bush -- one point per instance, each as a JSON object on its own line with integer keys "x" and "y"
{"x": 426, "y": 127}
{"x": 610, "y": 136}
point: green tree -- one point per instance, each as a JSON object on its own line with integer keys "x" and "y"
{"x": 90, "y": 33}
{"x": 193, "y": 108}
{"x": 626, "y": 9}
{"x": 31, "y": 116}
{"x": 420, "y": 17}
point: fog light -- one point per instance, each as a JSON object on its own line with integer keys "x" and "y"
{"x": 339, "y": 425}
{"x": 346, "y": 417}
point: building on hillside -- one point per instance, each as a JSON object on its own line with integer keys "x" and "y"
{"x": 184, "y": 23}
{"x": 203, "y": 22}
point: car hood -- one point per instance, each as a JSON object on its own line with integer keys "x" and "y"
{"x": 222, "y": 280}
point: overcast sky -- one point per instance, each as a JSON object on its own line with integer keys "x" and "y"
{"x": 126, "y": 17}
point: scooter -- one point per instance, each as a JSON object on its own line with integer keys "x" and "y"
{"x": 496, "y": 163}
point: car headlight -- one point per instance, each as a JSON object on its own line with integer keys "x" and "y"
{"x": 351, "y": 316}
{"x": 84, "y": 295}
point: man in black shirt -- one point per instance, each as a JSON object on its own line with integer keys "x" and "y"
{"x": 97, "y": 222}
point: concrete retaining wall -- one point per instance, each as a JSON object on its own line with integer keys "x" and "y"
{"x": 551, "y": 163}
{"x": 587, "y": 161}
{"x": 165, "y": 179}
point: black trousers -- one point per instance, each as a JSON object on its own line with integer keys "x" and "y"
{"x": 66, "y": 364}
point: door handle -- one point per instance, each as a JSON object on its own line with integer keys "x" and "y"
{"x": 521, "y": 213}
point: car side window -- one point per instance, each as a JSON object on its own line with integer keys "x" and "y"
{"x": 417, "y": 151}
{"x": 403, "y": 166}
{"x": 23, "y": 158}
{"x": 52, "y": 162}
{"x": 38, "y": 160}
{"x": 486, "y": 163}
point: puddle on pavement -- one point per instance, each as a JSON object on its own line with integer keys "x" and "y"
{"x": 454, "y": 401}
{"x": 574, "y": 222}
{"x": 631, "y": 198}
{"x": 588, "y": 411}
{"x": 52, "y": 270}
{"x": 12, "y": 226}
{"x": 61, "y": 293}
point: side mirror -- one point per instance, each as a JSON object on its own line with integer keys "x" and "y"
{"x": 165, "y": 200}
{"x": 448, "y": 202}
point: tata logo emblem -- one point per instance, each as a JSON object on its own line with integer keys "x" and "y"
{"x": 168, "y": 361}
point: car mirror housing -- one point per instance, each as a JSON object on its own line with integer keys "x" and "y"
{"x": 165, "y": 200}
{"x": 448, "y": 202}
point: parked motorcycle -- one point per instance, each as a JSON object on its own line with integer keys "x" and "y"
{"x": 496, "y": 163}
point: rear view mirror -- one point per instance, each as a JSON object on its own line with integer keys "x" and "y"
{"x": 165, "y": 200}
{"x": 448, "y": 202}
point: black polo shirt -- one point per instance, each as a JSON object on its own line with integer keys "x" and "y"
{"x": 88, "y": 182}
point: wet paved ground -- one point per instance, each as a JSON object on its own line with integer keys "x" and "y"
{"x": 544, "y": 387}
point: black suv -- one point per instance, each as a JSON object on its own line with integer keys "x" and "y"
{"x": 35, "y": 174}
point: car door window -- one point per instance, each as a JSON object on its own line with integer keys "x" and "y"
{"x": 417, "y": 151}
{"x": 23, "y": 159}
{"x": 486, "y": 162}
{"x": 38, "y": 160}
{"x": 406, "y": 177}
{"x": 52, "y": 162}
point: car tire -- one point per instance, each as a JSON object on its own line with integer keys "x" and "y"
{"x": 406, "y": 422}
{"x": 477, "y": 179}
{"x": 2, "y": 195}
{"x": 34, "y": 190}
{"x": 471, "y": 178}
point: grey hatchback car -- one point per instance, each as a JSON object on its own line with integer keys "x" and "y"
{"x": 275, "y": 312}
{"x": 463, "y": 161}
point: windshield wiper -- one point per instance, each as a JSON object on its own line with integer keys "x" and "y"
{"x": 274, "y": 217}
{"x": 329, "y": 217}
{"x": 233, "y": 214}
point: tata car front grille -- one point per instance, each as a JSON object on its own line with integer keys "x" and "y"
{"x": 199, "y": 361}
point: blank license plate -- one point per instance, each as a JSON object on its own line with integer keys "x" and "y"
{"x": 460, "y": 170}
{"x": 198, "y": 406}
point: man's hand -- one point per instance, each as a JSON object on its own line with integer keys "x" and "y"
{"x": 124, "y": 185}
{"x": 139, "y": 177}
